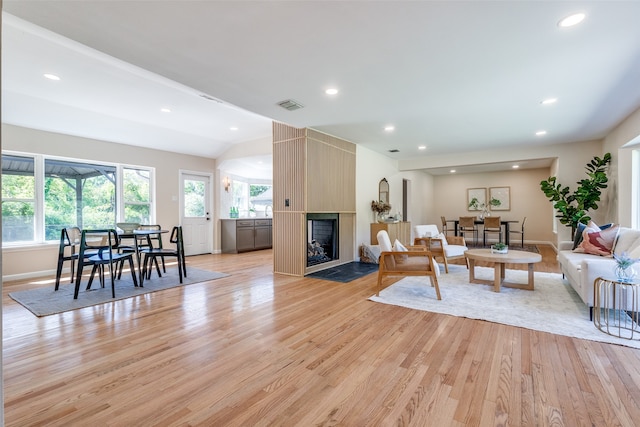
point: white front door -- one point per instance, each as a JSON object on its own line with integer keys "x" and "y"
{"x": 195, "y": 212}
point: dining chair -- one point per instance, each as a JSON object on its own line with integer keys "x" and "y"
{"x": 150, "y": 255}
{"x": 492, "y": 225}
{"x": 103, "y": 243}
{"x": 520, "y": 232}
{"x": 467, "y": 224}
{"x": 69, "y": 238}
{"x": 152, "y": 241}
{"x": 143, "y": 242}
{"x": 445, "y": 229}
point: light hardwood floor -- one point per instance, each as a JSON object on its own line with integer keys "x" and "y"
{"x": 262, "y": 349}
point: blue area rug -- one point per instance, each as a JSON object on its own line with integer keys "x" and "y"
{"x": 346, "y": 272}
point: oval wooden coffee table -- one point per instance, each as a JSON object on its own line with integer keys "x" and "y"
{"x": 499, "y": 261}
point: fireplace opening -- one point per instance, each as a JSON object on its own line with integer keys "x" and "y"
{"x": 322, "y": 238}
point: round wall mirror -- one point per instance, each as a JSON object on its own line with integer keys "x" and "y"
{"x": 383, "y": 191}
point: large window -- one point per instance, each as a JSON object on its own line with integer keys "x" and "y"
{"x": 137, "y": 195}
{"x": 78, "y": 194}
{"x": 252, "y": 199}
{"x": 18, "y": 199}
{"x": 42, "y": 195}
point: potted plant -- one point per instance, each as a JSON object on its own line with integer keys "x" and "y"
{"x": 380, "y": 208}
{"x": 477, "y": 206}
{"x": 499, "y": 248}
{"x": 572, "y": 208}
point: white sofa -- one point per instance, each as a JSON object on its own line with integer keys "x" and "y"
{"x": 582, "y": 269}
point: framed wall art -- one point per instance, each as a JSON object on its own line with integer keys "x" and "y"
{"x": 476, "y": 198}
{"x": 500, "y": 198}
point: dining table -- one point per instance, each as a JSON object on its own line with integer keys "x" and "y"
{"x": 503, "y": 222}
{"x": 136, "y": 235}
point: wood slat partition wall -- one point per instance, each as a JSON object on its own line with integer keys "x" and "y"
{"x": 316, "y": 173}
{"x": 289, "y": 222}
{"x": 331, "y": 174}
{"x": 289, "y": 243}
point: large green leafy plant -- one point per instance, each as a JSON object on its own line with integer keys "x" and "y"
{"x": 573, "y": 207}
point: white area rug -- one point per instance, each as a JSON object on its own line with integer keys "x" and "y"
{"x": 552, "y": 307}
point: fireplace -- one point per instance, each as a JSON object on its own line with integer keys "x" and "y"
{"x": 322, "y": 238}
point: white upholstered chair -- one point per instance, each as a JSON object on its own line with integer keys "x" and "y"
{"x": 440, "y": 246}
{"x": 410, "y": 262}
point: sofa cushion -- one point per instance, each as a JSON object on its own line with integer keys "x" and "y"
{"x": 580, "y": 230}
{"x": 598, "y": 242}
{"x": 628, "y": 240}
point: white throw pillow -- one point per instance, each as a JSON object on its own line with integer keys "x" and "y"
{"x": 399, "y": 247}
{"x": 444, "y": 239}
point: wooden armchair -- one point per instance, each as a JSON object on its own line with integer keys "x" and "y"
{"x": 449, "y": 248}
{"x": 416, "y": 261}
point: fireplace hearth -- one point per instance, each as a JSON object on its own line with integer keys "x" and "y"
{"x": 322, "y": 238}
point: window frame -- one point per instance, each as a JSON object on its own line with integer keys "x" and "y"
{"x": 39, "y": 210}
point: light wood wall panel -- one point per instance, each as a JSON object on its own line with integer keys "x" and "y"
{"x": 289, "y": 243}
{"x": 331, "y": 178}
{"x": 347, "y": 146}
{"x": 288, "y": 175}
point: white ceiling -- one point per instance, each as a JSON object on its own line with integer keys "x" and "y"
{"x": 454, "y": 76}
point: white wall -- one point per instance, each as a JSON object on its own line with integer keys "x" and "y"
{"x": 371, "y": 167}
{"x": 526, "y": 199}
{"x": 624, "y": 196}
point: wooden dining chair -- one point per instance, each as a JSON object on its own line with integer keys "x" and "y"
{"x": 103, "y": 243}
{"x": 492, "y": 225}
{"x": 150, "y": 255}
{"x": 467, "y": 224}
{"x": 445, "y": 229}
{"x": 520, "y": 232}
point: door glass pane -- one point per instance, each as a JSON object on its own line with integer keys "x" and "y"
{"x": 194, "y": 198}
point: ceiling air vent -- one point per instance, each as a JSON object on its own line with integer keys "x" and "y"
{"x": 394, "y": 150}
{"x": 290, "y": 105}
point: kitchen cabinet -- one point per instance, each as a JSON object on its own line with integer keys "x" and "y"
{"x": 246, "y": 234}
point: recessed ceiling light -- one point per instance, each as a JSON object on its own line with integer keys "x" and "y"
{"x": 331, "y": 91}
{"x": 233, "y": 128}
{"x": 452, "y": 171}
{"x": 571, "y": 20}
{"x": 389, "y": 128}
{"x": 515, "y": 166}
{"x": 51, "y": 76}
{"x": 165, "y": 110}
{"x": 422, "y": 147}
{"x": 549, "y": 101}
{"x": 541, "y": 132}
